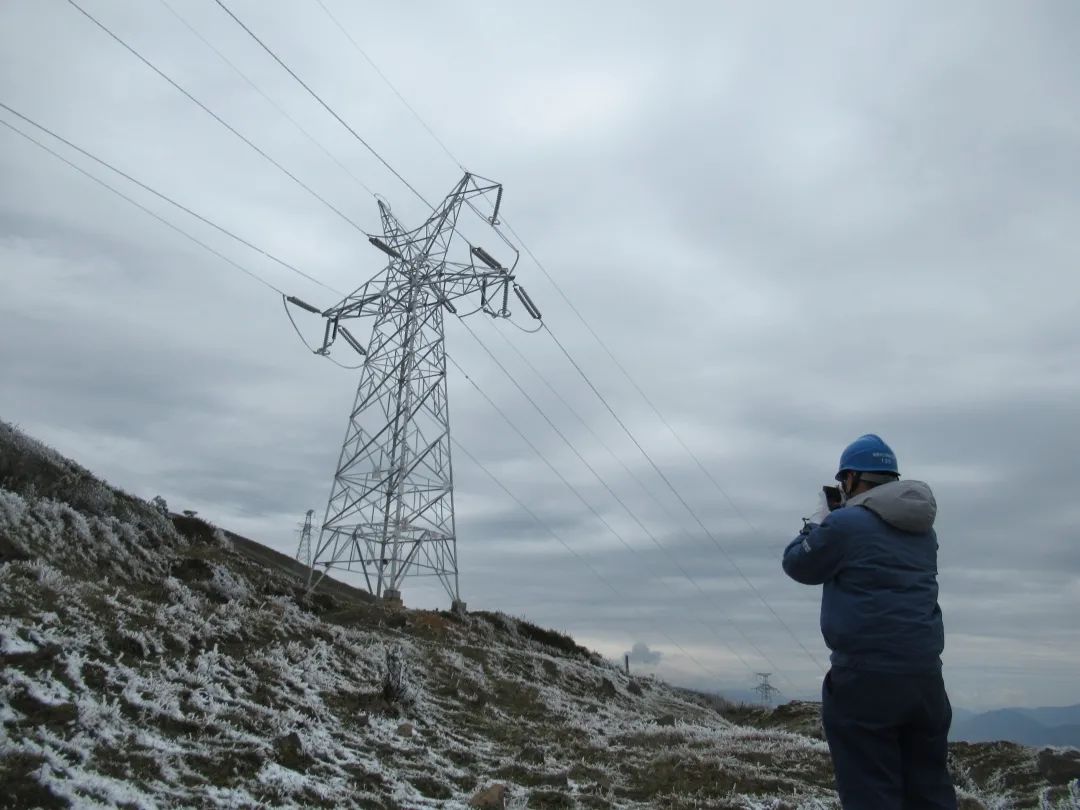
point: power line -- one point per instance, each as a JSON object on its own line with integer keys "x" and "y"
{"x": 408, "y": 106}
{"x": 656, "y": 411}
{"x": 577, "y": 556}
{"x": 663, "y": 549}
{"x": 581, "y": 420}
{"x": 166, "y": 198}
{"x": 563, "y": 478}
{"x": 215, "y": 116}
{"x": 139, "y": 205}
{"x": 390, "y": 84}
{"x": 631, "y": 380}
{"x": 595, "y": 512}
{"x": 269, "y": 100}
{"x": 689, "y": 509}
{"x": 326, "y": 106}
{"x": 626, "y": 468}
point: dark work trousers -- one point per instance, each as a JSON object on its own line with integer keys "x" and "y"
{"x": 888, "y": 738}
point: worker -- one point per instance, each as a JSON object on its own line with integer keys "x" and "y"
{"x": 884, "y": 707}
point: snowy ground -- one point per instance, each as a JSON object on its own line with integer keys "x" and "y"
{"x": 145, "y": 667}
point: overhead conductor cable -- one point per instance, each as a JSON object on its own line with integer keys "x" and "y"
{"x": 214, "y": 115}
{"x": 620, "y": 501}
{"x": 614, "y": 533}
{"x": 164, "y": 197}
{"x": 592, "y": 569}
{"x": 325, "y": 106}
{"x": 689, "y": 509}
{"x": 269, "y": 100}
{"x": 143, "y": 208}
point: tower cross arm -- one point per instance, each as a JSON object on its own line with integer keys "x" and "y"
{"x": 365, "y": 301}
{"x": 447, "y": 284}
{"x": 489, "y": 283}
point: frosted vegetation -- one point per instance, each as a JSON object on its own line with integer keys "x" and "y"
{"x": 151, "y": 661}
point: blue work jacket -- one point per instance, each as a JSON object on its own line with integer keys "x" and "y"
{"x": 876, "y": 559}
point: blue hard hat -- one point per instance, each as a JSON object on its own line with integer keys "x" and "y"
{"x": 868, "y": 453}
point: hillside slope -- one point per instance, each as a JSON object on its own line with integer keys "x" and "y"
{"x": 151, "y": 662}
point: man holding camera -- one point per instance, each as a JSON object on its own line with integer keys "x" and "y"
{"x": 886, "y": 714}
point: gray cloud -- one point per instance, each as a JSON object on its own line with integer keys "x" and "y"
{"x": 641, "y": 654}
{"x": 791, "y": 230}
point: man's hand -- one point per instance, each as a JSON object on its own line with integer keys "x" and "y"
{"x": 821, "y": 511}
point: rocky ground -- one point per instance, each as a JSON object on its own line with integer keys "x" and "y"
{"x": 154, "y": 661}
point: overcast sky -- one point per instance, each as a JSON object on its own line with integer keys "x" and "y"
{"x": 791, "y": 225}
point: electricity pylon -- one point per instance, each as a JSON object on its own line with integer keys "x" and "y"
{"x": 303, "y": 550}
{"x": 766, "y": 691}
{"x": 391, "y": 507}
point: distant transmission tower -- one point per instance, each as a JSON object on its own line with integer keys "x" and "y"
{"x": 766, "y": 691}
{"x": 391, "y": 507}
{"x": 303, "y": 551}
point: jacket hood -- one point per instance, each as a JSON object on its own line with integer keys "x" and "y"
{"x": 907, "y": 505}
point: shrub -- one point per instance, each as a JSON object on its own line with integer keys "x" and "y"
{"x": 553, "y": 638}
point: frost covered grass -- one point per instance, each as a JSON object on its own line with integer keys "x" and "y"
{"x": 152, "y": 663}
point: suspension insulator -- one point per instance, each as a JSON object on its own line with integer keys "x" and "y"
{"x": 334, "y": 335}
{"x": 292, "y": 299}
{"x": 498, "y": 202}
{"x": 483, "y": 293}
{"x": 506, "y": 299}
{"x": 527, "y": 302}
{"x": 486, "y": 258}
{"x": 345, "y": 333}
{"x": 385, "y": 248}
{"x": 446, "y": 303}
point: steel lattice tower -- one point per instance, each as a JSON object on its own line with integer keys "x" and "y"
{"x": 391, "y": 507}
{"x": 766, "y": 691}
{"x": 303, "y": 549}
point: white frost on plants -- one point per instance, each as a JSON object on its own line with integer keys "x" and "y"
{"x": 164, "y": 672}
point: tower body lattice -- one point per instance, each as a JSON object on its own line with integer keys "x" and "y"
{"x": 391, "y": 508}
